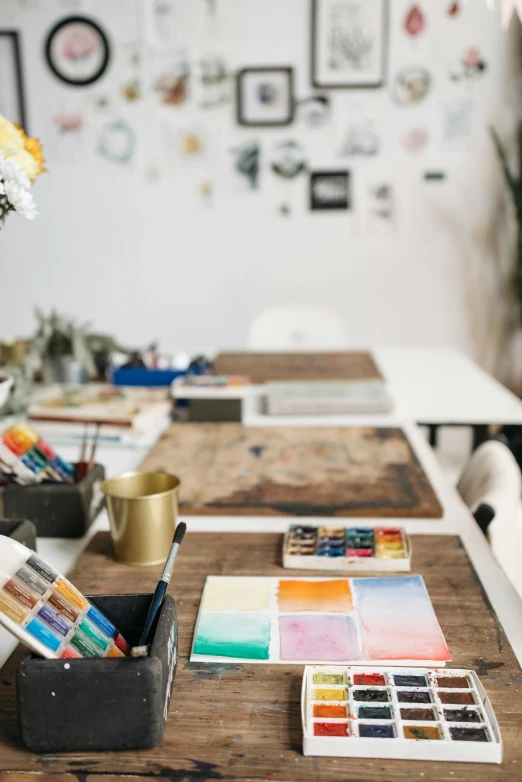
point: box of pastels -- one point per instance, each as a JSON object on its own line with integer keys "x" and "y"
{"x": 407, "y": 714}
{"x": 93, "y": 703}
{"x": 348, "y": 549}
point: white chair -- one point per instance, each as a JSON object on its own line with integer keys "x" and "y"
{"x": 491, "y": 487}
{"x": 297, "y": 328}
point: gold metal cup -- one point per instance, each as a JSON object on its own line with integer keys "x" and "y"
{"x": 143, "y": 510}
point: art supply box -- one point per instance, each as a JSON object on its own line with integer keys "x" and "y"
{"x": 398, "y": 713}
{"x": 21, "y": 530}
{"x": 102, "y": 704}
{"x": 58, "y": 510}
{"x": 210, "y": 399}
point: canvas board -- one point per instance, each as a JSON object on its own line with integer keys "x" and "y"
{"x": 259, "y": 619}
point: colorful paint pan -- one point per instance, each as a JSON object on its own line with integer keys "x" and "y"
{"x": 398, "y": 713}
{"x": 347, "y": 549}
{"x": 47, "y": 613}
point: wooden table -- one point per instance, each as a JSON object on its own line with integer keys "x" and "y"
{"x": 264, "y": 367}
{"x": 228, "y": 469}
{"x": 242, "y": 722}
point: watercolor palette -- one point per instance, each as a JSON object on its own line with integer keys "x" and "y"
{"x": 409, "y": 714}
{"x": 47, "y": 613}
{"x": 318, "y": 620}
{"x": 351, "y": 549}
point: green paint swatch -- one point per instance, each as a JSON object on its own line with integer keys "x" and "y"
{"x": 92, "y": 632}
{"x": 233, "y": 635}
{"x": 84, "y": 646}
{"x": 328, "y": 678}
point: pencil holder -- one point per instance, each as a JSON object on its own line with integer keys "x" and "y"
{"x": 58, "y": 510}
{"x": 21, "y": 530}
{"x": 102, "y": 704}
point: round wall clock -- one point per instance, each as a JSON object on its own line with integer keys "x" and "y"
{"x": 77, "y": 51}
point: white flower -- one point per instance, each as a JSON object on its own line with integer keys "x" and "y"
{"x": 11, "y": 171}
{"x": 21, "y": 200}
{"x": 2, "y": 188}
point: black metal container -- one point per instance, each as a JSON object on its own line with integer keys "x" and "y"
{"x": 102, "y": 704}
{"x": 58, "y": 510}
{"x": 21, "y": 530}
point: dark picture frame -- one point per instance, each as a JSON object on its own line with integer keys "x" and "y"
{"x": 336, "y": 200}
{"x": 242, "y": 108}
{"x": 17, "y": 89}
{"x": 77, "y": 82}
{"x": 368, "y": 83}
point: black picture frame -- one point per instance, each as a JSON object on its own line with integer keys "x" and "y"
{"x": 240, "y": 108}
{"x": 313, "y": 49}
{"x": 14, "y": 37}
{"x": 333, "y": 204}
{"x": 54, "y": 68}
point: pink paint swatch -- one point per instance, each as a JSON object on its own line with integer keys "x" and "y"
{"x": 318, "y": 638}
{"x": 397, "y": 620}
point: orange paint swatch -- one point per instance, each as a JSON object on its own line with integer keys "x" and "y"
{"x": 326, "y": 596}
{"x": 331, "y": 712}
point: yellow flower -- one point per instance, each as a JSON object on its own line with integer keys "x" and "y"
{"x": 26, "y": 151}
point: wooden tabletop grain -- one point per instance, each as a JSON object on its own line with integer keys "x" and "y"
{"x": 242, "y": 722}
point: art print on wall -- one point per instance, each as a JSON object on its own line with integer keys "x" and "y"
{"x": 77, "y": 51}
{"x": 265, "y": 96}
{"x": 349, "y": 43}
{"x": 12, "y": 103}
{"x": 330, "y": 190}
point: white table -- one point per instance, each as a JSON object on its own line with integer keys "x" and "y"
{"x": 432, "y": 386}
{"x": 457, "y": 520}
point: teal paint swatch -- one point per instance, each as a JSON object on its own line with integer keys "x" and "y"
{"x": 92, "y": 632}
{"x": 233, "y": 635}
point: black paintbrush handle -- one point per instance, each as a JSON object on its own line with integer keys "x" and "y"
{"x": 154, "y": 609}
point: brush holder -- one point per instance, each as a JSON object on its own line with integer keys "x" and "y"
{"x": 21, "y": 530}
{"x": 102, "y": 704}
{"x": 58, "y": 510}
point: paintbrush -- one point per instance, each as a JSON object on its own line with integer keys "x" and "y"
{"x": 81, "y": 466}
{"x": 93, "y": 448}
{"x": 163, "y": 584}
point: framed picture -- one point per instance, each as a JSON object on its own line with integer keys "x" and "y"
{"x": 330, "y": 190}
{"x": 265, "y": 96}
{"x": 77, "y": 51}
{"x": 12, "y": 102}
{"x": 349, "y": 42}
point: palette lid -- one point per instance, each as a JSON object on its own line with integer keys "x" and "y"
{"x": 12, "y": 555}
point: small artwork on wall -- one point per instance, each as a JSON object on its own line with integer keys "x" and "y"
{"x": 314, "y": 111}
{"x": 12, "y": 103}
{"x": 361, "y": 138}
{"x": 77, "y": 51}
{"x": 412, "y": 85}
{"x": 380, "y": 208}
{"x": 246, "y": 163}
{"x": 265, "y": 96}
{"x": 330, "y": 190}
{"x": 349, "y": 43}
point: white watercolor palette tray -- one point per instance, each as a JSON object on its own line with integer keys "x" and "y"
{"x": 347, "y": 549}
{"x": 398, "y": 713}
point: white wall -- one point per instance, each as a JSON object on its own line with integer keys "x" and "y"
{"x": 146, "y": 259}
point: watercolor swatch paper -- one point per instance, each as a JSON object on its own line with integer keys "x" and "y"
{"x": 318, "y": 620}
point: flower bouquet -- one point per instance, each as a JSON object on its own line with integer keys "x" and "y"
{"x": 21, "y": 161}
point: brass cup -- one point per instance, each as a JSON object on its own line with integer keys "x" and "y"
{"x": 143, "y": 510}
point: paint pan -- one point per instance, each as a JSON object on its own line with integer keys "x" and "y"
{"x": 347, "y": 549}
{"x": 47, "y": 613}
{"x": 398, "y": 713}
